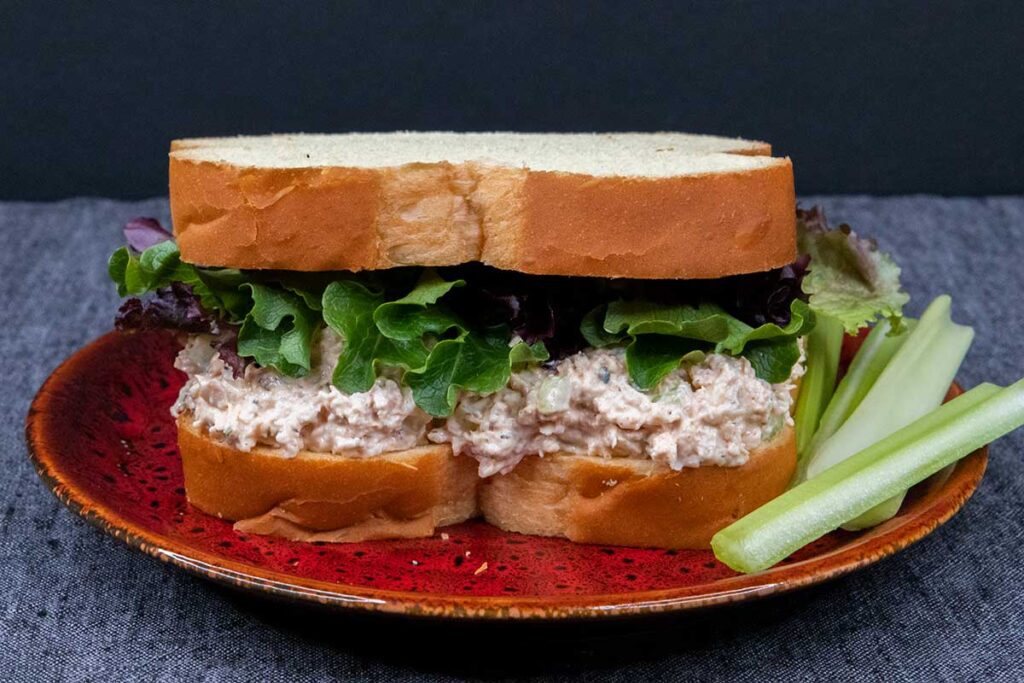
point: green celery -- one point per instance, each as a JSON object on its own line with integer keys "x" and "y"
{"x": 872, "y": 357}
{"x": 943, "y": 360}
{"x": 885, "y": 510}
{"x": 824, "y": 344}
{"x": 912, "y": 384}
{"x": 871, "y": 476}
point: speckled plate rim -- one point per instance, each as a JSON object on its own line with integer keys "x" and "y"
{"x": 926, "y": 513}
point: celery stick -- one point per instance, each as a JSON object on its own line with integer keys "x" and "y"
{"x": 885, "y": 510}
{"x": 872, "y": 357}
{"x": 950, "y": 347}
{"x": 855, "y": 485}
{"x": 823, "y": 346}
{"x": 913, "y": 383}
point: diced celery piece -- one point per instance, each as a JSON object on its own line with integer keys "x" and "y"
{"x": 554, "y": 394}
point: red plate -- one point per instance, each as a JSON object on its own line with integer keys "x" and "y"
{"x": 101, "y": 437}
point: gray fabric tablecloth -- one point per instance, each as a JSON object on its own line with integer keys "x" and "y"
{"x": 78, "y": 605}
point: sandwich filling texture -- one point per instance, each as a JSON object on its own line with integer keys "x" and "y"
{"x": 713, "y": 412}
{"x": 499, "y": 364}
{"x": 262, "y": 407}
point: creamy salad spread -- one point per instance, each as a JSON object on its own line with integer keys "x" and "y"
{"x": 308, "y": 413}
{"x": 709, "y": 413}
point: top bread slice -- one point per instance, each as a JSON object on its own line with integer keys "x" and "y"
{"x": 637, "y": 205}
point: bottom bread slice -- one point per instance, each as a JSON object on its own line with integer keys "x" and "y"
{"x": 631, "y": 502}
{"x": 328, "y": 497}
{"x": 408, "y": 494}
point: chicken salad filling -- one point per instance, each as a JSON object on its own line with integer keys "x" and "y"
{"x": 711, "y": 412}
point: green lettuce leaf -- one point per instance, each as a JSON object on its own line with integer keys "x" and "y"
{"x": 801, "y": 321}
{"x": 403, "y": 334}
{"x": 348, "y": 309}
{"x": 221, "y": 290}
{"x": 650, "y": 357}
{"x": 278, "y": 331}
{"x": 662, "y": 336}
{"x": 849, "y": 278}
{"x": 592, "y": 329}
{"x": 161, "y": 264}
{"x": 522, "y": 353}
{"x": 480, "y": 361}
{"x": 416, "y": 313}
{"x": 117, "y": 267}
{"x": 705, "y": 322}
{"x": 773, "y": 359}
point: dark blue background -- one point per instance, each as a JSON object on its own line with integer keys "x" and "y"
{"x": 872, "y": 97}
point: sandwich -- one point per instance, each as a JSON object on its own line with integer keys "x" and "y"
{"x": 593, "y": 336}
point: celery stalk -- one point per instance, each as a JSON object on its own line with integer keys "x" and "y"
{"x": 823, "y": 346}
{"x": 912, "y": 384}
{"x": 871, "y": 476}
{"x": 885, "y": 510}
{"x": 948, "y": 347}
{"x": 872, "y": 357}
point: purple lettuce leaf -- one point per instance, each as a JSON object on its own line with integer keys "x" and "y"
{"x": 227, "y": 348}
{"x": 175, "y": 307}
{"x": 761, "y": 298}
{"x": 142, "y": 233}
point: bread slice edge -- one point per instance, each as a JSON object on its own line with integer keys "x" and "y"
{"x": 702, "y": 224}
{"x": 636, "y": 503}
{"x": 328, "y": 497}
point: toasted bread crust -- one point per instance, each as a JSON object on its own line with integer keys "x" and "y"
{"x": 408, "y": 494}
{"x": 430, "y": 214}
{"x": 634, "y": 502}
{"x": 323, "y": 497}
{"x": 686, "y": 227}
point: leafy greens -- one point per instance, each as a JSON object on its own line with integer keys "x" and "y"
{"x": 277, "y": 324}
{"x": 348, "y": 309}
{"x": 278, "y": 330}
{"x": 849, "y": 278}
{"x": 466, "y": 328}
{"x": 661, "y": 336}
{"x": 437, "y": 352}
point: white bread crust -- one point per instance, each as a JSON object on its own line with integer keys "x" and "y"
{"x": 540, "y": 204}
{"x": 325, "y": 497}
{"x": 412, "y": 493}
{"x": 640, "y": 503}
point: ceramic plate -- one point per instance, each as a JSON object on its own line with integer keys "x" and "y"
{"x": 101, "y": 437}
